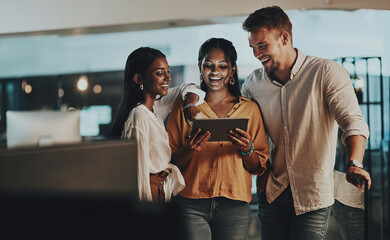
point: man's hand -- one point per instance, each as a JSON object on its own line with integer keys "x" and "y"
{"x": 355, "y": 146}
{"x": 358, "y": 177}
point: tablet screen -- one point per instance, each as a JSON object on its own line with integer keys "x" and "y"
{"x": 219, "y": 127}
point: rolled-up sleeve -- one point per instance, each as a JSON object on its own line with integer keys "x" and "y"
{"x": 341, "y": 99}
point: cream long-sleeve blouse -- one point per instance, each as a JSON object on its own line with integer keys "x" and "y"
{"x": 153, "y": 150}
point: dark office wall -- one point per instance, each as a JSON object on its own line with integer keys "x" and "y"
{"x": 45, "y": 93}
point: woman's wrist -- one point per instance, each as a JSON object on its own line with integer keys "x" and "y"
{"x": 249, "y": 152}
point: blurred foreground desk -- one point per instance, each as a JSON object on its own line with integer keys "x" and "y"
{"x": 79, "y": 191}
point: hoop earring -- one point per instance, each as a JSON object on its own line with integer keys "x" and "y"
{"x": 141, "y": 86}
{"x": 232, "y": 81}
{"x": 201, "y": 78}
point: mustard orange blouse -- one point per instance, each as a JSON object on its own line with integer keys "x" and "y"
{"x": 217, "y": 170}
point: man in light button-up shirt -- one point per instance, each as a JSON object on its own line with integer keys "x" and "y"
{"x": 303, "y": 100}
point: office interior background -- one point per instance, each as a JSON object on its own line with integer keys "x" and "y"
{"x": 61, "y": 55}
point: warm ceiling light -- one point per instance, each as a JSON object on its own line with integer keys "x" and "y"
{"x": 28, "y": 88}
{"x": 82, "y": 83}
{"x": 97, "y": 89}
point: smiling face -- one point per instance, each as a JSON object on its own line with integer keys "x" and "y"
{"x": 156, "y": 78}
{"x": 216, "y": 70}
{"x": 268, "y": 47}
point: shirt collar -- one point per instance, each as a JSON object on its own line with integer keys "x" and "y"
{"x": 298, "y": 63}
{"x": 241, "y": 98}
{"x": 295, "y": 69}
{"x": 207, "y": 109}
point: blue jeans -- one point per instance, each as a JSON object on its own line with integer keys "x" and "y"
{"x": 278, "y": 220}
{"x": 215, "y": 218}
{"x": 350, "y": 221}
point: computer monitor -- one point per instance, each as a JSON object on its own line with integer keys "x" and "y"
{"x": 95, "y": 168}
{"x": 42, "y": 128}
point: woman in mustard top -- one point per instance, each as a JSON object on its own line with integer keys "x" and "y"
{"x": 218, "y": 174}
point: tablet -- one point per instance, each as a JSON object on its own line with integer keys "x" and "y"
{"x": 219, "y": 127}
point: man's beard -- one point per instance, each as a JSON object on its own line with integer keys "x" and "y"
{"x": 270, "y": 70}
{"x": 271, "y": 66}
{"x": 272, "y": 76}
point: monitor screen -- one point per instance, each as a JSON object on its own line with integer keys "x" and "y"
{"x": 92, "y": 117}
{"x": 42, "y": 128}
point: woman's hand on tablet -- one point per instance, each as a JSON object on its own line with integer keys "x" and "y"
{"x": 196, "y": 140}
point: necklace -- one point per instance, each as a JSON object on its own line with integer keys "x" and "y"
{"x": 219, "y": 109}
{"x": 223, "y": 99}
